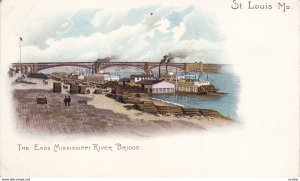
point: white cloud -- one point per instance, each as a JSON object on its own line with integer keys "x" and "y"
{"x": 164, "y": 24}
{"x": 39, "y": 27}
{"x": 107, "y": 21}
{"x": 154, "y": 20}
{"x": 145, "y": 41}
{"x": 198, "y": 24}
{"x": 178, "y": 31}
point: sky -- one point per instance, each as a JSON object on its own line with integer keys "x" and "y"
{"x": 144, "y": 32}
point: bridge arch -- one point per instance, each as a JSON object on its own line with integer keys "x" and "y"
{"x": 109, "y": 66}
{"x": 40, "y": 68}
{"x": 105, "y": 65}
{"x": 171, "y": 65}
{"x": 147, "y": 67}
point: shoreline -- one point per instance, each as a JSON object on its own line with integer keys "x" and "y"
{"x": 101, "y": 115}
{"x": 168, "y": 102}
{"x": 93, "y": 114}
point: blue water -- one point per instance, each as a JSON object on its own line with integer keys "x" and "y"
{"x": 227, "y": 82}
{"x": 227, "y": 104}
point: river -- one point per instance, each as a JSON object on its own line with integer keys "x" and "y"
{"x": 227, "y": 104}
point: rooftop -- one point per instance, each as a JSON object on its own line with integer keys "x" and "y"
{"x": 148, "y": 82}
{"x": 126, "y": 79}
{"x": 140, "y": 75}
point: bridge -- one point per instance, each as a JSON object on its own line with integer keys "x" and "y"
{"x": 36, "y": 67}
{"x": 97, "y": 66}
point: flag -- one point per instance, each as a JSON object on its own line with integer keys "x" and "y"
{"x": 21, "y": 39}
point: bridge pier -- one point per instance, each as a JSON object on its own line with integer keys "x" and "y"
{"x": 193, "y": 67}
{"x": 93, "y": 68}
{"x": 35, "y": 68}
{"x": 96, "y": 68}
{"x": 147, "y": 68}
{"x": 25, "y": 68}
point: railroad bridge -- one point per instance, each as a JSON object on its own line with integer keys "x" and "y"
{"x": 97, "y": 66}
{"x": 36, "y": 67}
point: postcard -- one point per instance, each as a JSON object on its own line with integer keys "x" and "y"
{"x": 149, "y": 88}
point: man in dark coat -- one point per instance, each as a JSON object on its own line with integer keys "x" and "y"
{"x": 69, "y": 101}
{"x": 65, "y": 100}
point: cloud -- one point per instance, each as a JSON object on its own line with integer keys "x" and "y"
{"x": 178, "y": 31}
{"x": 177, "y": 16}
{"x": 192, "y": 36}
{"x": 106, "y": 21}
{"x": 152, "y": 20}
{"x": 164, "y": 24}
{"x": 95, "y": 45}
{"x": 201, "y": 25}
{"x": 38, "y": 30}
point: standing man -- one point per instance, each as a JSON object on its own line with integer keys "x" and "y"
{"x": 69, "y": 101}
{"x": 65, "y": 100}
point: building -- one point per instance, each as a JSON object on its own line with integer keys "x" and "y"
{"x": 109, "y": 77}
{"x": 163, "y": 87}
{"x": 141, "y": 77}
{"x": 157, "y": 87}
{"x": 187, "y": 87}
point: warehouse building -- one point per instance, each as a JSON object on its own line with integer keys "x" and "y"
{"x": 157, "y": 87}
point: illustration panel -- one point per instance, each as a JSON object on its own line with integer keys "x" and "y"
{"x": 138, "y": 70}
{"x": 149, "y": 88}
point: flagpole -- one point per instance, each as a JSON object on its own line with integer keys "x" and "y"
{"x": 20, "y": 49}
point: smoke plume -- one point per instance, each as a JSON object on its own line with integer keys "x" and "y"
{"x": 167, "y": 59}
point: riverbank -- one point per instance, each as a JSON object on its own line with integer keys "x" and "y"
{"x": 93, "y": 114}
{"x": 96, "y": 114}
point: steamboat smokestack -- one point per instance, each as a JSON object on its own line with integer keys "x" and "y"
{"x": 166, "y": 69}
{"x": 159, "y": 71}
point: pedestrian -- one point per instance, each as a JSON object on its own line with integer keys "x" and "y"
{"x": 69, "y": 101}
{"x": 65, "y": 100}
